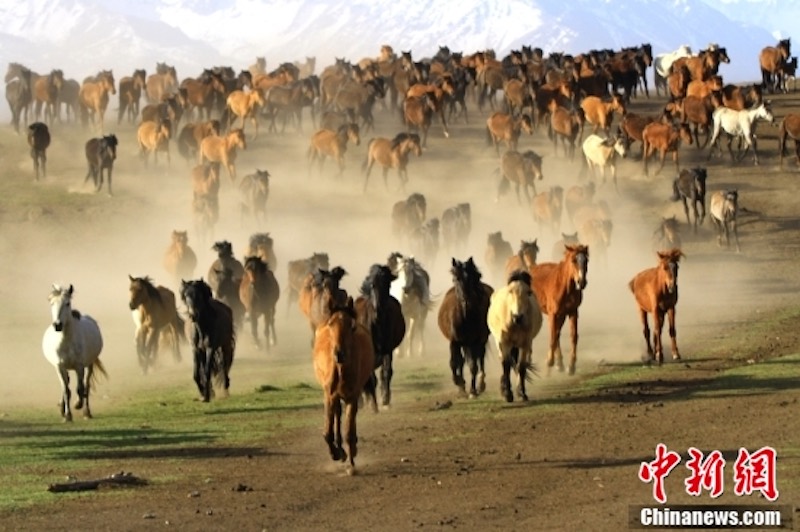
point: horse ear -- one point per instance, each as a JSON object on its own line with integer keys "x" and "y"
{"x": 130, "y": 277}
{"x": 71, "y": 289}
{"x": 453, "y": 262}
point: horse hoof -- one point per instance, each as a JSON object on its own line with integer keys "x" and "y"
{"x": 509, "y": 398}
{"x": 350, "y": 470}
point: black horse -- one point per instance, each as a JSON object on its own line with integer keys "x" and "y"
{"x": 39, "y": 141}
{"x": 382, "y": 315}
{"x": 690, "y": 186}
{"x": 101, "y": 153}
{"x": 462, "y": 320}
{"x": 213, "y": 338}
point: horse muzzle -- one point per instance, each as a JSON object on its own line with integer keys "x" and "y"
{"x": 518, "y": 319}
{"x": 58, "y": 326}
{"x": 132, "y": 305}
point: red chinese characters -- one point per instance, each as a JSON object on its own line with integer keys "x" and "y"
{"x": 657, "y": 470}
{"x": 756, "y": 472}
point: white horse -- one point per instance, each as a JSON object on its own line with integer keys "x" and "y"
{"x": 662, "y": 63}
{"x": 723, "y": 208}
{"x": 601, "y": 153}
{"x": 72, "y": 342}
{"x": 412, "y": 290}
{"x": 739, "y": 124}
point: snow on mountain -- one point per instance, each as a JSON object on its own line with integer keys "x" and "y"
{"x": 83, "y": 36}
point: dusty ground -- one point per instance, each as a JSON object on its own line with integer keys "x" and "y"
{"x": 563, "y": 461}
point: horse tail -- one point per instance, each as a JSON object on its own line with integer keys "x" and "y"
{"x": 675, "y": 192}
{"x": 98, "y": 366}
{"x": 630, "y": 285}
{"x": 489, "y": 137}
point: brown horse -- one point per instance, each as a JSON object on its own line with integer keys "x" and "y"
{"x": 93, "y": 97}
{"x": 222, "y": 149}
{"x": 391, "y": 154}
{"x": 690, "y": 187}
{"x": 656, "y": 293}
{"x": 154, "y": 314}
{"x": 202, "y": 92}
{"x": 254, "y": 193}
{"x": 205, "y": 199}
{"x": 192, "y": 134}
{"x": 566, "y": 125}
{"x": 559, "y": 290}
{"x": 667, "y": 235}
{"x": 180, "y": 259}
{"x": 417, "y": 114}
{"x": 462, "y": 320}
{"x": 245, "y": 105}
{"x": 299, "y": 270}
{"x": 259, "y": 293}
{"x": 343, "y": 364}
{"x": 547, "y": 208}
{"x": 600, "y": 113}
{"x": 130, "y": 92}
{"x": 789, "y": 128}
{"x": 524, "y": 259}
{"x": 225, "y": 259}
{"x": 664, "y": 138}
{"x": 261, "y": 245}
{"x": 770, "y": 60}
{"x": 504, "y": 127}
{"x": 498, "y": 252}
{"x": 39, "y": 141}
{"x": 153, "y": 137}
{"x": 576, "y": 197}
{"x": 408, "y": 215}
{"x": 46, "y": 91}
{"x": 320, "y": 288}
{"x": 521, "y": 169}
{"x": 333, "y": 144}
{"x": 162, "y": 83}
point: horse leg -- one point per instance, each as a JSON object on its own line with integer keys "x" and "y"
{"x": 327, "y": 434}
{"x": 209, "y": 366}
{"x": 64, "y": 406}
{"x": 686, "y": 211}
{"x": 505, "y": 379}
{"x": 523, "y": 363}
{"x": 735, "y": 231}
{"x": 658, "y": 324}
{"x": 556, "y": 322}
{"x": 457, "y": 366}
{"x": 573, "y": 329}
{"x": 267, "y": 342}
{"x": 646, "y": 332}
{"x": 337, "y": 420}
{"x": 351, "y": 410}
{"x": 673, "y": 334}
{"x": 386, "y": 380}
{"x": 87, "y": 412}
{"x": 254, "y": 327}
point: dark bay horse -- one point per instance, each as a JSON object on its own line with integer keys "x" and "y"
{"x": 382, "y": 315}
{"x": 100, "y": 155}
{"x": 213, "y": 337}
{"x": 259, "y": 292}
{"x": 462, "y": 320}
{"x": 656, "y": 293}
{"x": 559, "y": 290}
{"x": 690, "y": 187}
{"x": 225, "y": 259}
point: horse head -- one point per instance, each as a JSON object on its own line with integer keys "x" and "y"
{"x": 60, "y": 306}
{"x": 196, "y": 295}
{"x": 528, "y": 252}
{"x": 668, "y": 263}
{"x": 223, "y": 248}
{"x": 519, "y": 285}
{"x": 577, "y": 259}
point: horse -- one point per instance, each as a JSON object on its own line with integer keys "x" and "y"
{"x": 664, "y": 138}
{"x": 382, "y": 315}
{"x": 524, "y": 259}
{"x": 504, "y": 127}
{"x": 222, "y": 149}
{"x": 667, "y": 235}
{"x": 423, "y": 241}
{"x": 154, "y": 314}
{"x": 299, "y": 270}
{"x": 254, "y": 192}
{"x": 547, "y": 207}
{"x": 456, "y": 226}
{"x": 213, "y": 337}
{"x": 567, "y": 125}
{"x": 202, "y": 92}
{"x": 789, "y": 128}
{"x": 600, "y": 113}
{"x": 514, "y": 319}
{"x": 576, "y": 197}
{"x": 327, "y": 143}
{"x": 690, "y": 186}
{"x": 72, "y": 342}
{"x": 391, "y": 154}
{"x": 739, "y": 124}
{"x": 412, "y": 289}
{"x": 192, "y": 134}
{"x": 94, "y": 97}
{"x": 180, "y": 260}
{"x": 417, "y": 114}
{"x": 724, "y": 207}
{"x": 100, "y": 155}
{"x": 521, "y": 169}
{"x": 259, "y": 293}
{"x": 408, "y": 215}
{"x": 225, "y": 259}
{"x": 261, "y": 245}
{"x": 462, "y": 320}
{"x": 559, "y": 291}
{"x": 153, "y": 137}
{"x": 289, "y": 100}
{"x": 46, "y": 90}
{"x": 662, "y": 64}
{"x": 319, "y": 289}
{"x": 343, "y": 364}
{"x": 770, "y": 60}
{"x": 39, "y": 141}
{"x": 162, "y": 83}
{"x": 19, "y": 93}
{"x": 205, "y": 199}
{"x": 228, "y": 293}
{"x": 130, "y": 92}
{"x": 601, "y": 153}
{"x": 656, "y": 293}
{"x": 243, "y": 105}
{"x": 558, "y": 247}
{"x": 498, "y": 252}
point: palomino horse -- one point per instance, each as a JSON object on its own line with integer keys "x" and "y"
{"x": 656, "y": 293}
{"x": 690, "y": 187}
{"x": 72, "y": 342}
{"x": 391, "y": 154}
{"x": 130, "y": 93}
{"x": 514, "y": 318}
{"x": 412, "y": 289}
{"x": 559, "y": 290}
{"x": 154, "y": 313}
{"x": 739, "y": 124}
{"x": 504, "y": 127}
{"x": 319, "y": 289}
{"x": 343, "y": 364}
{"x": 39, "y": 141}
{"x": 789, "y": 128}
{"x": 462, "y": 320}
{"x": 498, "y": 252}
{"x": 153, "y": 137}
{"x": 259, "y": 292}
{"x": 100, "y": 155}
{"x": 180, "y": 260}
{"x": 524, "y": 259}
{"x": 521, "y": 169}
{"x": 222, "y": 149}
{"x": 205, "y": 199}
{"x": 94, "y": 97}
{"x": 724, "y": 207}
{"x": 254, "y": 193}
{"x": 245, "y": 105}
{"x": 382, "y": 315}
{"x": 299, "y": 270}
{"x": 333, "y": 144}
{"x": 770, "y": 60}
{"x": 213, "y": 337}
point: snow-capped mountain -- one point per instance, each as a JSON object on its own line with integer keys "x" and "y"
{"x": 83, "y": 36}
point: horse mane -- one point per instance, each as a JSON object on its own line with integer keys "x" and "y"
{"x": 76, "y": 314}
{"x": 223, "y": 248}
{"x": 399, "y": 139}
{"x": 376, "y": 271}
{"x": 255, "y": 263}
{"x": 521, "y": 276}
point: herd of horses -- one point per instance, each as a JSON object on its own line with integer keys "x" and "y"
{"x": 355, "y": 337}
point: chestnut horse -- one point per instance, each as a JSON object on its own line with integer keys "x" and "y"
{"x": 154, "y": 313}
{"x": 343, "y": 364}
{"x": 93, "y": 97}
{"x": 506, "y": 128}
{"x": 462, "y": 320}
{"x": 559, "y": 290}
{"x": 656, "y": 293}
{"x": 222, "y": 149}
{"x": 259, "y": 292}
{"x": 391, "y": 154}
{"x": 333, "y": 144}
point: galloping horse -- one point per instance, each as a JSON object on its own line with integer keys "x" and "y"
{"x": 162, "y": 83}
{"x": 213, "y": 337}
{"x": 724, "y": 207}
{"x": 223, "y": 150}
{"x": 254, "y": 191}
{"x": 514, "y": 318}
{"x": 559, "y": 290}
{"x": 498, "y": 252}
{"x": 381, "y": 313}
{"x": 521, "y": 169}
{"x": 343, "y": 364}
{"x": 205, "y": 199}
{"x": 153, "y": 137}
{"x": 259, "y": 292}
{"x": 656, "y": 293}
{"x": 667, "y": 235}
{"x": 154, "y": 313}
{"x": 262, "y": 245}
{"x": 225, "y": 259}
{"x": 319, "y": 289}
{"x": 72, "y": 343}
{"x": 408, "y": 215}
{"x": 100, "y": 155}
{"x": 524, "y": 259}
{"x": 391, "y": 154}
{"x": 299, "y": 270}
{"x": 690, "y": 186}
{"x": 739, "y": 124}
{"x": 504, "y": 127}
{"x": 245, "y": 105}
{"x": 462, "y": 320}
{"x": 456, "y": 227}
{"x": 327, "y": 143}
{"x": 412, "y": 289}
{"x": 180, "y": 260}
{"x": 94, "y": 97}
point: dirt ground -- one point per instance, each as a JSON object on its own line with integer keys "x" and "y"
{"x": 563, "y": 461}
